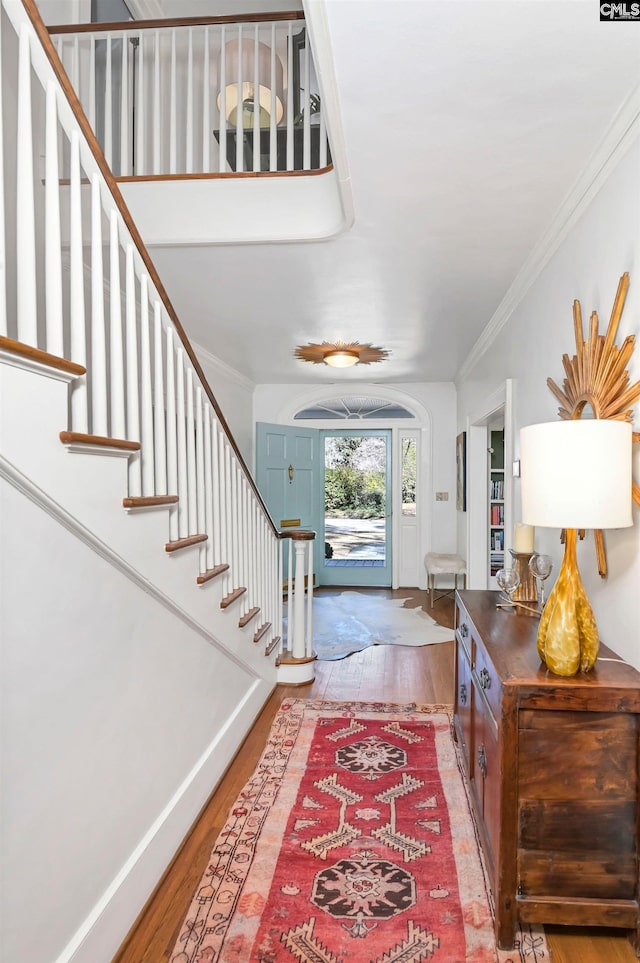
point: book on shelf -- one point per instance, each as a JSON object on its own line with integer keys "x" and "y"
{"x": 497, "y": 514}
{"x": 497, "y": 489}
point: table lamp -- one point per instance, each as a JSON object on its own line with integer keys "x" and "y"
{"x": 575, "y": 475}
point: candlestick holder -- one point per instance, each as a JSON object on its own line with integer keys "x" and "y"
{"x": 527, "y": 590}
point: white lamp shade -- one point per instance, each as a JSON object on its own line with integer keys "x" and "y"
{"x": 240, "y": 64}
{"x": 576, "y": 474}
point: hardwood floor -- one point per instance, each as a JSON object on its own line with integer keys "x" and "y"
{"x": 385, "y": 673}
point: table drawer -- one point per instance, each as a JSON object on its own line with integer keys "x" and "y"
{"x": 488, "y": 681}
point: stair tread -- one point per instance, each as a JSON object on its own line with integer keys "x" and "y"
{"x": 41, "y": 357}
{"x": 101, "y": 441}
{"x": 211, "y": 573}
{"x": 149, "y": 501}
{"x": 231, "y": 597}
{"x": 246, "y": 618}
{"x": 185, "y": 542}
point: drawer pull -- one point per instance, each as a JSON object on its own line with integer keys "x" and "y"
{"x": 464, "y": 630}
{"x": 482, "y": 760}
{"x": 485, "y": 679}
{"x": 463, "y": 694}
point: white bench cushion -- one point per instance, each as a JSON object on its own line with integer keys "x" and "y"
{"x": 437, "y": 563}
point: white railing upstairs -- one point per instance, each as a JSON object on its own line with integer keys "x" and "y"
{"x": 77, "y": 283}
{"x": 199, "y": 96}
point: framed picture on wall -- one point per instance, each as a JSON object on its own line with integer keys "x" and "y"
{"x": 461, "y": 472}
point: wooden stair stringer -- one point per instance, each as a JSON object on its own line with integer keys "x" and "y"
{"x": 248, "y": 616}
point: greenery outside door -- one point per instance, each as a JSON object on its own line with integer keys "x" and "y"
{"x": 357, "y": 507}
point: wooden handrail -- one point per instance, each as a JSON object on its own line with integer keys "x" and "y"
{"x": 115, "y": 26}
{"x": 40, "y": 28}
{"x": 218, "y": 175}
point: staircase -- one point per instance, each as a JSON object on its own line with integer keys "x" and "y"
{"x": 142, "y": 608}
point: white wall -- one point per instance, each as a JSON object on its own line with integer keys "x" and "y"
{"x": 65, "y": 11}
{"x": 437, "y": 404}
{"x": 602, "y": 245}
{"x": 234, "y": 394}
{"x": 117, "y": 720}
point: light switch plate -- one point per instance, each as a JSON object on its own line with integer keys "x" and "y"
{"x": 442, "y": 496}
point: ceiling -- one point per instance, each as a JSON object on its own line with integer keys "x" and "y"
{"x": 466, "y": 124}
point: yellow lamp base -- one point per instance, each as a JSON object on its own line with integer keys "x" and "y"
{"x": 568, "y": 636}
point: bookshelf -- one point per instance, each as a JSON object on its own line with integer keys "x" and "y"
{"x": 496, "y": 504}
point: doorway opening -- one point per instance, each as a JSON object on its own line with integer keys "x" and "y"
{"x": 357, "y": 515}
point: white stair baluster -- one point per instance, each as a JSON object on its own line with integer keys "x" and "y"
{"x": 279, "y": 625}
{"x": 323, "y": 140}
{"x": 141, "y": 124}
{"x": 242, "y": 539}
{"x": 183, "y": 488}
{"x": 236, "y": 522}
{"x": 25, "y": 222}
{"x": 273, "y": 136}
{"x": 53, "y": 261}
{"x": 290, "y": 625}
{"x": 306, "y": 125}
{"x": 291, "y": 74}
{"x": 222, "y": 122}
{"x": 253, "y": 562}
{"x": 229, "y": 517}
{"x": 133, "y": 393}
{"x": 215, "y": 482}
{"x": 189, "y": 130}
{"x": 108, "y": 105}
{"x": 192, "y": 486}
{"x": 208, "y": 561}
{"x": 309, "y": 597}
{"x": 159, "y": 426}
{"x": 91, "y": 113}
{"x": 75, "y": 68}
{"x": 146, "y": 393}
{"x": 224, "y": 547}
{"x": 206, "y": 107}
{"x": 256, "y": 106}
{"x": 125, "y": 159}
{"x": 239, "y": 110}
{"x": 201, "y": 523}
{"x": 173, "y": 109}
{"x": 172, "y": 441}
{"x": 116, "y": 352}
{"x": 98, "y": 379}
{"x": 79, "y": 403}
{"x": 157, "y": 127}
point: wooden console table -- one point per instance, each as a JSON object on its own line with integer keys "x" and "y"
{"x": 553, "y": 769}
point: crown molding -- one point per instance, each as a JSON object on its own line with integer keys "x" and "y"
{"x": 222, "y": 368}
{"x": 619, "y": 137}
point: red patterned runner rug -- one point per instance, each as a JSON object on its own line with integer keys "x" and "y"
{"x": 352, "y": 841}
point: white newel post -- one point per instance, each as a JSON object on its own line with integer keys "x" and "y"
{"x": 298, "y": 646}
{"x": 295, "y": 665}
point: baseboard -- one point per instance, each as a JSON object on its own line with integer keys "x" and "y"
{"x": 102, "y": 932}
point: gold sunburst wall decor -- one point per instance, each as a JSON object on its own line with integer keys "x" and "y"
{"x": 340, "y": 354}
{"x": 597, "y": 376}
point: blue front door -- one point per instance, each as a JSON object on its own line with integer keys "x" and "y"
{"x": 289, "y": 477}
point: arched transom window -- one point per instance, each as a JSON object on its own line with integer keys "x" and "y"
{"x": 353, "y": 409}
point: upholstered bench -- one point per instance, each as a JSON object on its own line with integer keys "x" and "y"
{"x": 440, "y": 564}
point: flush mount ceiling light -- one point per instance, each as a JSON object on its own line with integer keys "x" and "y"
{"x": 340, "y": 354}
